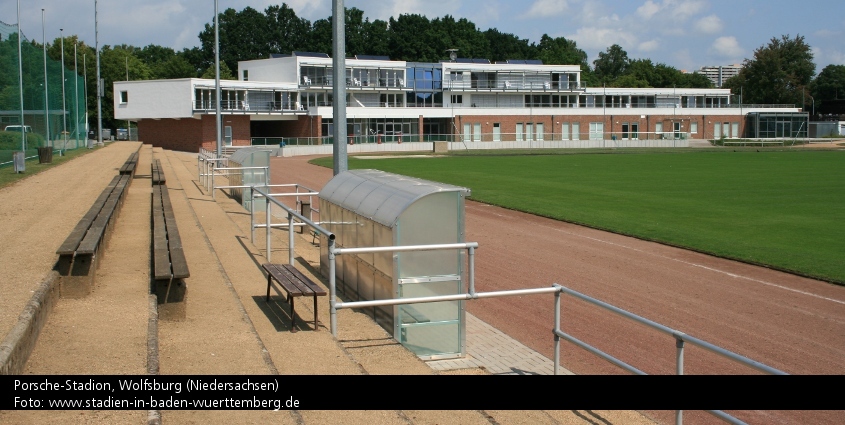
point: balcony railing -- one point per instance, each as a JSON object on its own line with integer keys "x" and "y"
{"x": 354, "y": 83}
{"x": 514, "y": 85}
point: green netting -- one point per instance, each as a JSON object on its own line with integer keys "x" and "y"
{"x": 64, "y": 116}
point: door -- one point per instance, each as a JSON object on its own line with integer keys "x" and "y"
{"x": 228, "y": 135}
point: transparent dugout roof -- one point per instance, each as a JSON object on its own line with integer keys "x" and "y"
{"x": 379, "y": 195}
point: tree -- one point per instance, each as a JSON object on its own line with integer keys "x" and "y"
{"x": 287, "y": 32}
{"x": 560, "y": 51}
{"x": 244, "y": 35}
{"x": 611, "y": 63}
{"x": 508, "y": 46}
{"x": 225, "y": 72}
{"x": 780, "y": 73}
{"x": 830, "y": 84}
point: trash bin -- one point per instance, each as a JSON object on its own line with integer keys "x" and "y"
{"x": 45, "y": 155}
{"x": 19, "y": 160}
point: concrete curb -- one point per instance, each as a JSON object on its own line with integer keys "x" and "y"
{"x": 18, "y": 344}
{"x": 153, "y": 416}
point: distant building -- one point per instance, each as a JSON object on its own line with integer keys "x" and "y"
{"x": 461, "y": 101}
{"x": 720, "y": 74}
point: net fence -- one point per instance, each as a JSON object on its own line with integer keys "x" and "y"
{"x": 49, "y": 117}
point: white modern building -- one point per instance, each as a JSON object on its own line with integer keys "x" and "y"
{"x": 289, "y": 98}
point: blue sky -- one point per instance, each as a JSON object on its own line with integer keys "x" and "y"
{"x": 686, "y": 34}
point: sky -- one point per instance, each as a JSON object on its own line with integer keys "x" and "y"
{"x": 685, "y": 34}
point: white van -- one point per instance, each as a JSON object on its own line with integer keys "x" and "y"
{"x": 26, "y": 128}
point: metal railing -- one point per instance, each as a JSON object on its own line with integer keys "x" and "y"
{"x": 680, "y": 338}
{"x": 257, "y": 193}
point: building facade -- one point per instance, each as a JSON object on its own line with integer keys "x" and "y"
{"x": 289, "y": 98}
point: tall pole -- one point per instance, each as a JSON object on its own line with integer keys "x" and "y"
{"x": 76, "y": 93}
{"x": 99, "y": 83}
{"x": 20, "y": 79}
{"x": 85, "y": 92}
{"x": 46, "y": 97}
{"x": 64, "y": 102}
{"x": 218, "y": 118}
{"x": 339, "y": 86}
{"x": 127, "y": 79}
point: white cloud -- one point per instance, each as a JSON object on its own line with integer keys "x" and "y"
{"x": 546, "y": 9}
{"x": 602, "y": 38}
{"x": 680, "y": 10}
{"x": 649, "y": 46}
{"x": 648, "y": 9}
{"x": 727, "y": 47}
{"x": 709, "y": 24}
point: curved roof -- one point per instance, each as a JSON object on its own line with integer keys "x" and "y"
{"x": 379, "y": 195}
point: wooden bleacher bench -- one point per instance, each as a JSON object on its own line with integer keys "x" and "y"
{"x": 157, "y": 173}
{"x": 168, "y": 256}
{"x": 295, "y": 284}
{"x": 129, "y": 166}
{"x": 79, "y": 253}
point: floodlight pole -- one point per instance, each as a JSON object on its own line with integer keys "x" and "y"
{"x": 339, "y": 86}
{"x": 99, "y": 83}
{"x": 20, "y": 80}
{"x": 46, "y": 97}
{"x": 218, "y": 118}
{"x": 64, "y": 102}
{"x": 76, "y": 93}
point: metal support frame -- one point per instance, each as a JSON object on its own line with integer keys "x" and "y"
{"x": 680, "y": 337}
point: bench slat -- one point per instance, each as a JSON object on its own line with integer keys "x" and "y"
{"x": 73, "y": 240}
{"x": 94, "y": 236}
{"x": 312, "y": 287}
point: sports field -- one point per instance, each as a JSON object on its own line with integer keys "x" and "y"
{"x": 784, "y": 209}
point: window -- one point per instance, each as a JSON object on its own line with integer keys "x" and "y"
{"x": 476, "y": 132}
{"x": 227, "y": 135}
{"x": 124, "y": 97}
{"x": 540, "y": 131}
{"x": 457, "y": 99}
{"x": 658, "y": 130}
{"x": 576, "y": 131}
{"x": 735, "y": 130}
{"x": 693, "y": 127}
{"x": 467, "y": 132}
{"x": 529, "y": 131}
{"x": 564, "y": 131}
{"x": 456, "y": 76}
{"x": 596, "y": 131}
{"x": 519, "y": 132}
{"x": 246, "y": 75}
{"x": 497, "y": 132}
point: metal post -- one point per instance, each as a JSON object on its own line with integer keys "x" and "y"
{"x": 332, "y": 284}
{"x": 679, "y": 365}
{"x": 218, "y": 118}
{"x": 471, "y": 261}
{"x": 339, "y": 86}
{"x": 99, "y": 83}
{"x": 252, "y": 218}
{"x": 20, "y": 79}
{"x": 76, "y": 93}
{"x": 46, "y": 97}
{"x": 290, "y": 238}
{"x": 267, "y": 228}
{"x": 64, "y": 103}
{"x": 557, "y": 328}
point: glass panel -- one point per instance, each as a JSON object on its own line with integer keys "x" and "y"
{"x": 735, "y": 129}
{"x": 717, "y": 130}
{"x": 564, "y": 132}
{"x": 431, "y": 328}
{"x": 576, "y": 131}
{"x": 635, "y": 131}
{"x": 529, "y": 131}
{"x": 476, "y": 132}
{"x": 497, "y": 132}
{"x": 518, "y": 132}
{"x": 540, "y": 132}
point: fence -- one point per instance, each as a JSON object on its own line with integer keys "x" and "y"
{"x": 52, "y": 110}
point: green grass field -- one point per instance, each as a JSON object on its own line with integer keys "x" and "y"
{"x": 784, "y": 209}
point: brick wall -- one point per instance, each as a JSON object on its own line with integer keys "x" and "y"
{"x": 189, "y": 135}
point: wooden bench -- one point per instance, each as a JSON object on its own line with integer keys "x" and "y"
{"x": 169, "y": 265}
{"x": 295, "y": 285}
{"x": 157, "y": 173}
{"x": 128, "y": 167}
{"x": 168, "y": 256}
{"x": 78, "y": 254}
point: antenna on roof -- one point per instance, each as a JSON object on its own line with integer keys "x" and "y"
{"x": 453, "y": 54}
